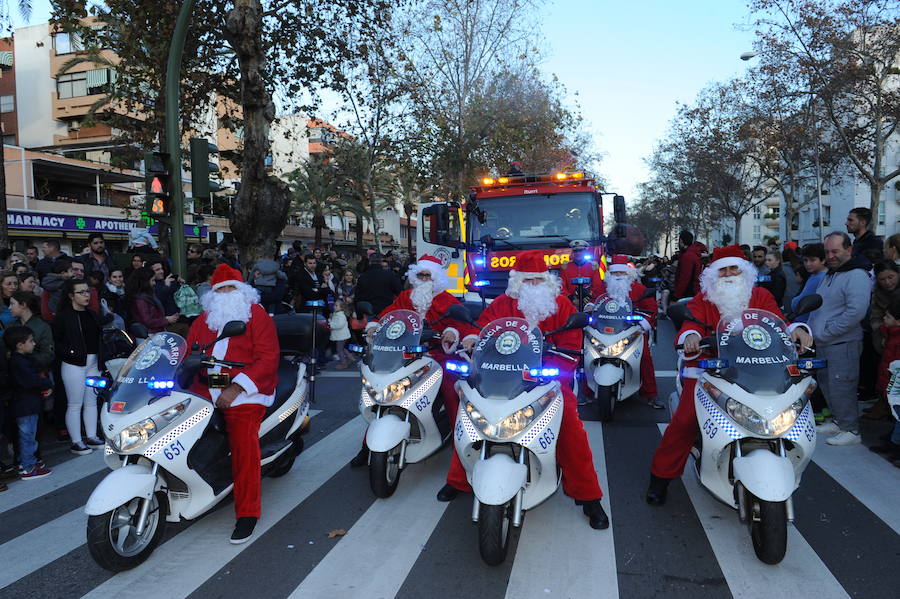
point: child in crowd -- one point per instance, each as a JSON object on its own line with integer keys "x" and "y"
{"x": 340, "y": 333}
{"x": 891, "y": 332}
{"x": 29, "y": 387}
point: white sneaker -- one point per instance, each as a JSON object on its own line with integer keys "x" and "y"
{"x": 844, "y": 438}
{"x": 827, "y": 428}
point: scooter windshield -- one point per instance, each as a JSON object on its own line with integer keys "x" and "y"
{"x": 397, "y": 332}
{"x": 153, "y": 361}
{"x": 506, "y": 348}
{"x": 611, "y": 316}
{"x": 759, "y": 351}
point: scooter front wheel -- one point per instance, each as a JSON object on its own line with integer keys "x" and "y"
{"x": 606, "y": 401}
{"x": 494, "y": 527}
{"x": 384, "y": 472}
{"x": 768, "y": 529}
{"x": 112, "y": 537}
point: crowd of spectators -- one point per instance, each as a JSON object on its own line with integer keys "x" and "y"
{"x": 56, "y": 311}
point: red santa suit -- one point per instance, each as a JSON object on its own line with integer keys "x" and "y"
{"x": 258, "y": 349}
{"x": 579, "y": 479}
{"x": 574, "y": 270}
{"x": 648, "y": 307}
{"x": 673, "y": 450}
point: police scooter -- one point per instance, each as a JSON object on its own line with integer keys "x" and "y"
{"x": 507, "y": 427}
{"x": 399, "y": 399}
{"x": 167, "y": 446}
{"x": 613, "y": 347}
{"x": 757, "y": 430}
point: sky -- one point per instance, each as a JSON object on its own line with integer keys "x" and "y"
{"x": 628, "y": 64}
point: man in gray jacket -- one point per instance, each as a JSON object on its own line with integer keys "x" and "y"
{"x": 837, "y": 329}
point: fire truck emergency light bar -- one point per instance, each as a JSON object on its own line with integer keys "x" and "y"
{"x": 531, "y": 179}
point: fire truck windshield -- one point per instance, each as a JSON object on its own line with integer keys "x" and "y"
{"x": 538, "y": 219}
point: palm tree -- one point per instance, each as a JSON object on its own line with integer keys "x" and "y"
{"x": 317, "y": 194}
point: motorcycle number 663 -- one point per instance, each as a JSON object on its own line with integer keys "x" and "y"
{"x": 546, "y": 438}
{"x": 710, "y": 428}
{"x": 173, "y": 450}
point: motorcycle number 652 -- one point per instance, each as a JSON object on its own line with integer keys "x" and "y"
{"x": 710, "y": 428}
{"x": 173, "y": 450}
{"x": 546, "y": 438}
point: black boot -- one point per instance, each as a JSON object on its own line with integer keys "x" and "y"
{"x": 243, "y": 530}
{"x": 656, "y": 492}
{"x": 594, "y": 511}
{"x": 447, "y": 493}
{"x": 360, "y": 459}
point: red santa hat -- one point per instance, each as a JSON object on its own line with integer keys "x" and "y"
{"x": 531, "y": 263}
{"x": 620, "y": 263}
{"x": 224, "y": 275}
{"x": 432, "y": 265}
{"x": 730, "y": 255}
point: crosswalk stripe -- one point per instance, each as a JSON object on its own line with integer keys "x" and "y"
{"x": 190, "y": 557}
{"x": 802, "y": 572}
{"x": 871, "y": 479}
{"x": 40, "y": 546}
{"x": 393, "y": 529}
{"x": 64, "y": 474}
{"x": 586, "y": 564}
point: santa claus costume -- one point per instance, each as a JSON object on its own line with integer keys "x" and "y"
{"x": 625, "y": 286}
{"x": 232, "y": 299}
{"x": 721, "y": 296}
{"x": 430, "y": 300}
{"x": 544, "y": 307}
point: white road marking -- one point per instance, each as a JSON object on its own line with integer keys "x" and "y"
{"x": 66, "y": 473}
{"x": 582, "y": 561}
{"x": 870, "y": 479}
{"x": 393, "y": 529}
{"x": 802, "y": 573}
{"x": 191, "y": 557}
{"x": 40, "y": 546}
{"x": 663, "y": 374}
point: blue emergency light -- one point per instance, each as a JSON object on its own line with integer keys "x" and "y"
{"x": 763, "y": 278}
{"x": 633, "y": 317}
{"x": 654, "y": 279}
{"x": 457, "y": 367}
{"x": 416, "y": 349}
{"x": 714, "y": 364}
{"x": 357, "y": 349}
{"x": 580, "y": 281}
{"x": 161, "y": 385}
{"x": 96, "y": 382}
{"x": 812, "y": 363}
{"x": 315, "y": 303}
{"x": 544, "y": 372}
{"x": 478, "y": 261}
{"x": 480, "y": 283}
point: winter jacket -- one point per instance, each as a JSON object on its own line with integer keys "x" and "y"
{"x": 687, "y": 276}
{"x": 340, "y": 328}
{"x": 881, "y": 300}
{"x": 44, "y": 353}
{"x": 27, "y": 384}
{"x": 845, "y": 301}
{"x": 891, "y": 352}
{"x": 70, "y": 337}
{"x": 866, "y": 243}
{"x": 166, "y": 295}
{"x": 776, "y": 284}
{"x": 272, "y": 297}
{"x": 148, "y": 310}
{"x": 52, "y": 294}
{"x": 378, "y": 286}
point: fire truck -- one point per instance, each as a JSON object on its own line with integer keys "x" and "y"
{"x": 479, "y": 240}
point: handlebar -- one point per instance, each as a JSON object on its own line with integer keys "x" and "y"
{"x": 213, "y": 362}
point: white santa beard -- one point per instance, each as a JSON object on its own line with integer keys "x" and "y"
{"x": 421, "y": 296}
{"x": 731, "y": 295}
{"x": 618, "y": 288}
{"x": 224, "y": 307}
{"x": 537, "y": 302}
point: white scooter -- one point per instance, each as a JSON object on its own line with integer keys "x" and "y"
{"x": 167, "y": 447}
{"x": 757, "y": 430}
{"x": 613, "y": 347}
{"x": 399, "y": 399}
{"x": 507, "y": 427}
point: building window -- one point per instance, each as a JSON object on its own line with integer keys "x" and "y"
{"x": 9, "y": 140}
{"x": 881, "y": 212}
{"x": 757, "y": 212}
{"x": 7, "y": 103}
{"x": 71, "y": 86}
{"x": 756, "y": 231}
{"x": 66, "y": 43}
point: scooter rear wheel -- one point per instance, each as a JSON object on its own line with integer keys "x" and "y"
{"x": 606, "y": 401}
{"x": 384, "y": 472}
{"x": 112, "y": 539}
{"x": 768, "y": 529}
{"x": 494, "y": 527}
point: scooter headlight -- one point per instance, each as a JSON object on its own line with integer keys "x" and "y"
{"x": 513, "y": 424}
{"x": 753, "y": 422}
{"x": 617, "y": 348}
{"x": 396, "y": 390}
{"x": 138, "y": 434}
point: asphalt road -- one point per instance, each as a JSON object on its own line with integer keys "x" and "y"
{"x": 843, "y": 544}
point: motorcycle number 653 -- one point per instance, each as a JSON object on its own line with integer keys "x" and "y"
{"x": 173, "y": 450}
{"x": 546, "y": 438}
{"x": 710, "y": 428}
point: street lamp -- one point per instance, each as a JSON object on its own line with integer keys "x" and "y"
{"x": 745, "y": 56}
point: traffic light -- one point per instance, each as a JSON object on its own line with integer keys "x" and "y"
{"x": 156, "y": 183}
{"x": 201, "y": 167}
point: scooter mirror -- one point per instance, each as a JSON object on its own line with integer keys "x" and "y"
{"x": 807, "y": 304}
{"x": 233, "y": 328}
{"x": 578, "y": 320}
{"x": 138, "y": 330}
{"x": 459, "y": 312}
{"x": 364, "y": 309}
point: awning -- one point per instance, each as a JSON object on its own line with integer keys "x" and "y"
{"x": 84, "y": 175}
{"x": 6, "y": 58}
{"x": 97, "y": 77}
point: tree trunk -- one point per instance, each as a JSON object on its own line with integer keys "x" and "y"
{"x": 261, "y": 206}
{"x": 4, "y": 232}
{"x": 737, "y": 228}
{"x": 875, "y": 187}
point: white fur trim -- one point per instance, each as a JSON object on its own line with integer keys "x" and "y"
{"x": 618, "y": 268}
{"x": 438, "y": 275}
{"x": 467, "y": 337}
{"x": 233, "y": 283}
{"x": 685, "y": 335}
{"x": 247, "y": 383}
{"x": 452, "y": 330}
{"x": 796, "y": 325}
{"x": 728, "y": 261}
{"x": 371, "y": 325}
{"x": 645, "y": 325}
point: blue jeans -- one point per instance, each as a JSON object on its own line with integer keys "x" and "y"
{"x": 895, "y": 436}
{"x": 27, "y": 440}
